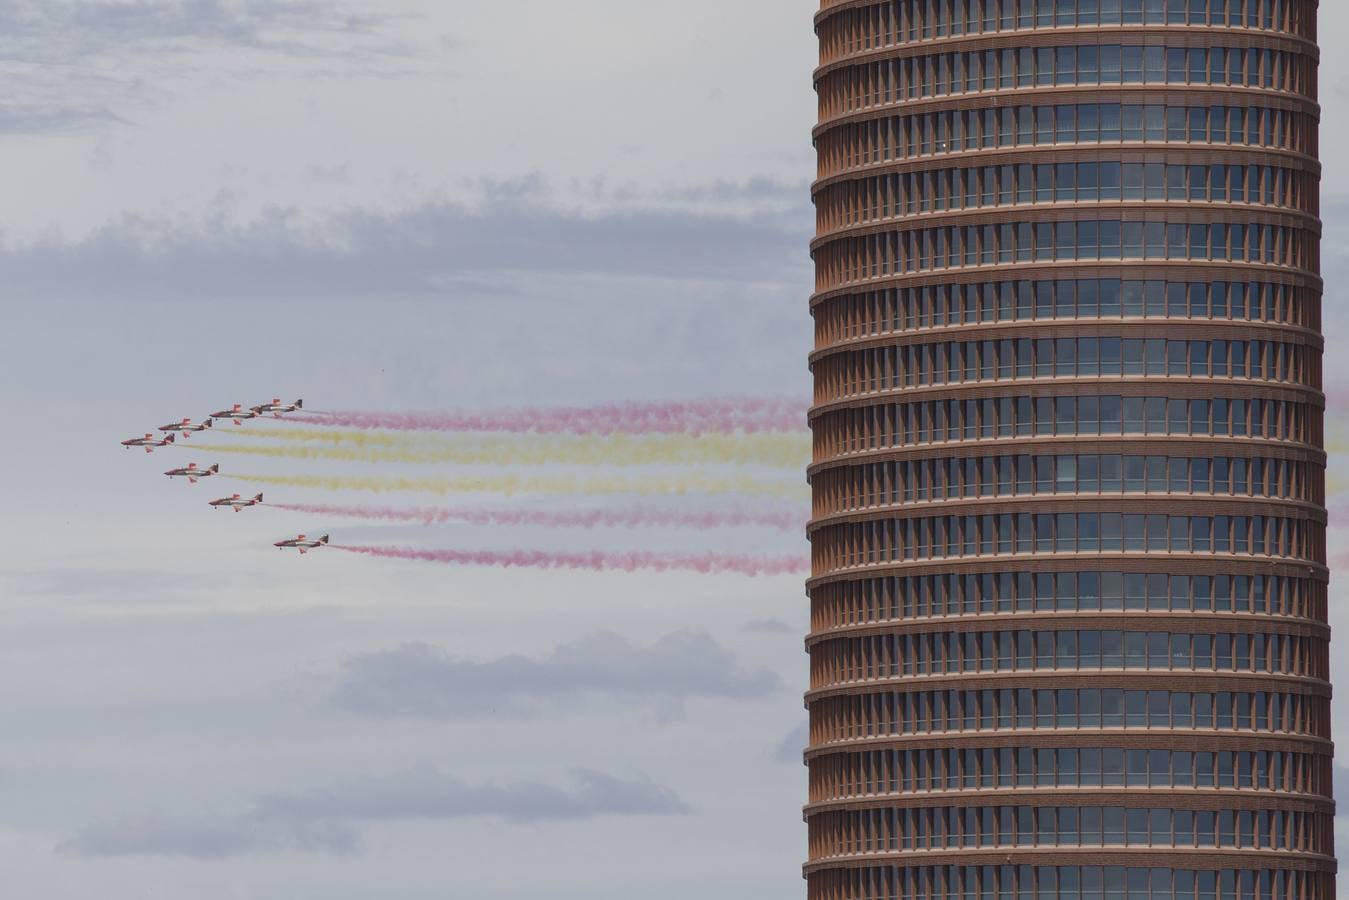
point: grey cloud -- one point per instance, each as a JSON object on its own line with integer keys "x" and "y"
{"x": 87, "y": 581}
{"x": 789, "y": 749}
{"x": 53, "y": 120}
{"x": 323, "y": 820}
{"x": 420, "y": 681}
{"x": 426, "y": 793}
{"x": 147, "y": 584}
{"x": 760, "y": 189}
{"x": 1340, "y": 786}
{"x": 767, "y": 626}
{"x": 126, "y": 54}
{"x": 425, "y": 251}
{"x": 53, "y": 28}
{"x": 207, "y": 837}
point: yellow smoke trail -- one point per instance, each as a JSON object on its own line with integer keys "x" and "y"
{"x": 509, "y": 484}
{"x": 776, "y": 450}
{"x": 335, "y": 436}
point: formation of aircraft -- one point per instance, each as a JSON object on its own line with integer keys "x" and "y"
{"x": 235, "y": 502}
{"x": 236, "y": 414}
{"x": 192, "y": 473}
{"x": 149, "y": 442}
{"x": 300, "y": 543}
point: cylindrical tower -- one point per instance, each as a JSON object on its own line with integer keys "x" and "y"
{"x": 1068, "y": 634}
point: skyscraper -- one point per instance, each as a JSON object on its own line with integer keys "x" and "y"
{"x": 1068, "y": 633}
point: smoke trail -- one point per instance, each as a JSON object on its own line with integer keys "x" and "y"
{"x": 745, "y": 414}
{"x": 783, "y": 520}
{"x": 335, "y": 436}
{"x": 599, "y": 560}
{"x": 779, "y": 451}
{"x": 688, "y": 484}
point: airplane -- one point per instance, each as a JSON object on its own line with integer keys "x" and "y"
{"x": 235, "y": 502}
{"x": 237, "y": 414}
{"x": 276, "y": 407}
{"x": 148, "y": 442}
{"x": 186, "y": 427}
{"x": 301, "y": 544}
{"x": 192, "y": 473}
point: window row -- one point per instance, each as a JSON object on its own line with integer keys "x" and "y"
{"x": 875, "y": 141}
{"x": 1024, "y": 882}
{"x": 851, "y": 259}
{"x": 894, "y": 830}
{"x": 848, "y": 659}
{"x": 907, "y": 21}
{"x": 889, "y": 541}
{"x": 890, "y": 425}
{"x": 895, "y": 714}
{"x": 881, "y": 772}
{"x": 954, "y": 478}
{"x": 888, "y": 81}
{"x": 851, "y": 373}
{"x": 890, "y": 310}
{"x": 901, "y": 597}
{"x": 889, "y": 197}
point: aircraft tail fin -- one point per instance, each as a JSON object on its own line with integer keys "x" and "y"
{"x": 214, "y": 469}
{"x": 168, "y": 440}
{"x": 324, "y": 539}
{"x": 257, "y": 499}
{"x": 210, "y": 422}
{"x": 299, "y": 404}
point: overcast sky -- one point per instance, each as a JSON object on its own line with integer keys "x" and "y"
{"x": 400, "y": 205}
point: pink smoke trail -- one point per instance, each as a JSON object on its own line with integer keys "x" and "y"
{"x": 784, "y": 520}
{"x": 751, "y": 415}
{"x": 600, "y": 560}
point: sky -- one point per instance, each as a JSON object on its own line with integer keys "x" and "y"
{"x": 403, "y": 205}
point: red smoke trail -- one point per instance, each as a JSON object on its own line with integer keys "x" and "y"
{"x": 600, "y": 561}
{"x": 784, "y": 520}
{"x": 749, "y": 415}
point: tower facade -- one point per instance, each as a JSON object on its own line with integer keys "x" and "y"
{"x": 1068, "y": 634}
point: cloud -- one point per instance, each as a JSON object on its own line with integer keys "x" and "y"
{"x": 55, "y": 29}
{"x": 425, "y": 793}
{"x": 417, "y": 680}
{"x": 323, "y": 820}
{"x": 53, "y": 120}
{"x": 207, "y": 837}
{"x": 91, "y": 581}
{"x": 792, "y": 744}
{"x": 127, "y": 53}
{"x": 767, "y": 626}
{"x": 431, "y": 250}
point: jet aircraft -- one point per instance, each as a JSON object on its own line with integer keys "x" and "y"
{"x": 185, "y": 427}
{"x": 192, "y": 473}
{"x": 237, "y": 414}
{"x": 149, "y": 442}
{"x": 299, "y": 543}
{"x": 236, "y": 502}
{"x": 276, "y": 407}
